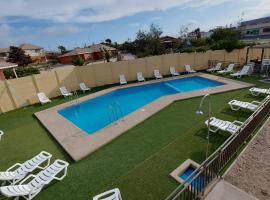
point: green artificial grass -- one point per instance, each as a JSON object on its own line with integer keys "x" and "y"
{"x": 138, "y": 162}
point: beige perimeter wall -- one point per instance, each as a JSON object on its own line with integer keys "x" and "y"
{"x": 20, "y": 92}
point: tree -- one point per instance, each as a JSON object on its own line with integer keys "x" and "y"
{"x": 62, "y": 49}
{"x": 108, "y": 41}
{"x": 106, "y": 54}
{"x": 78, "y": 61}
{"x": 17, "y": 55}
{"x": 128, "y": 46}
{"x": 197, "y": 32}
{"x": 183, "y": 31}
{"x": 226, "y": 38}
{"x": 225, "y": 34}
{"x": 155, "y": 31}
{"x": 198, "y": 42}
{"x": 148, "y": 42}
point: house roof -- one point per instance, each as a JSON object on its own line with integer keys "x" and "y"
{"x": 77, "y": 51}
{"x": 167, "y": 39}
{"x": 89, "y": 50}
{"x": 4, "y": 50}
{"x": 97, "y": 47}
{"x": 29, "y": 47}
{"x": 256, "y": 21}
{"x": 6, "y": 65}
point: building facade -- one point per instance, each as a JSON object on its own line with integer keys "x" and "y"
{"x": 257, "y": 30}
{"x": 4, "y": 52}
{"x": 91, "y": 53}
{"x": 35, "y": 52}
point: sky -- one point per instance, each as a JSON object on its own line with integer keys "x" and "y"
{"x": 76, "y": 23}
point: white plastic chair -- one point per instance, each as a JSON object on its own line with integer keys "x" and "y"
{"x": 28, "y": 189}
{"x": 83, "y": 87}
{"x": 65, "y": 92}
{"x": 216, "y": 68}
{"x": 245, "y": 71}
{"x": 189, "y": 69}
{"x": 237, "y": 105}
{"x": 113, "y": 194}
{"x": 18, "y": 171}
{"x": 218, "y": 124}
{"x": 157, "y": 74}
{"x": 1, "y": 134}
{"x": 123, "y": 80}
{"x": 229, "y": 69}
{"x": 257, "y": 91}
{"x": 265, "y": 65}
{"x": 173, "y": 71}
{"x": 140, "y": 77}
{"x": 43, "y": 99}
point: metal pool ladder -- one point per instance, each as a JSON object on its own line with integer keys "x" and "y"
{"x": 76, "y": 98}
{"x": 115, "y": 112}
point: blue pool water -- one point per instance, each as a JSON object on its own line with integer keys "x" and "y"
{"x": 198, "y": 182}
{"x": 187, "y": 173}
{"x": 95, "y": 114}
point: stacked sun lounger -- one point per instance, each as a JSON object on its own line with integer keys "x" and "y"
{"x": 29, "y": 186}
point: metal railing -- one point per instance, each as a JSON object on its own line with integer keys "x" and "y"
{"x": 211, "y": 169}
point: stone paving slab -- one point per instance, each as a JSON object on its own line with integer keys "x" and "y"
{"x": 79, "y": 144}
{"x": 226, "y": 191}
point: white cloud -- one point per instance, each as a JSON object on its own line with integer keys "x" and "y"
{"x": 14, "y": 36}
{"x": 60, "y": 30}
{"x": 260, "y": 9}
{"x": 90, "y": 10}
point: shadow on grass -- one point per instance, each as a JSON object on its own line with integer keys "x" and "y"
{"x": 238, "y": 114}
{"x": 198, "y": 156}
{"x": 202, "y": 133}
{"x": 215, "y": 139}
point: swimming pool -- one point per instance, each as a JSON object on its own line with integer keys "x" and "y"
{"x": 187, "y": 173}
{"x": 99, "y": 112}
{"x": 197, "y": 182}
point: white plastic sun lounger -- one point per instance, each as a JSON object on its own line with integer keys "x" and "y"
{"x": 113, "y": 194}
{"x": 236, "y": 105}
{"x": 122, "y": 79}
{"x": 65, "y": 92}
{"x": 173, "y": 71}
{"x": 18, "y": 171}
{"x": 229, "y": 69}
{"x": 245, "y": 71}
{"x": 140, "y": 77}
{"x": 84, "y": 88}
{"x": 157, "y": 74}
{"x": 216, "y": 68}
{"x": 43, "y": 98}
{"x": 189, "y": 69}
{"x": 218, "y": 124}
{"x": 257, "y": 91}
{"x": 33, "y": 184}
{"x": 1, "y": 134}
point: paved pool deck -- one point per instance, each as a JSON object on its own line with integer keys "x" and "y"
{"x": 79, "y": 144}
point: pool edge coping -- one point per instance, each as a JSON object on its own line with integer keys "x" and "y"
{"x": 175, "y": 174}
{"x": 78, "y": 144}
